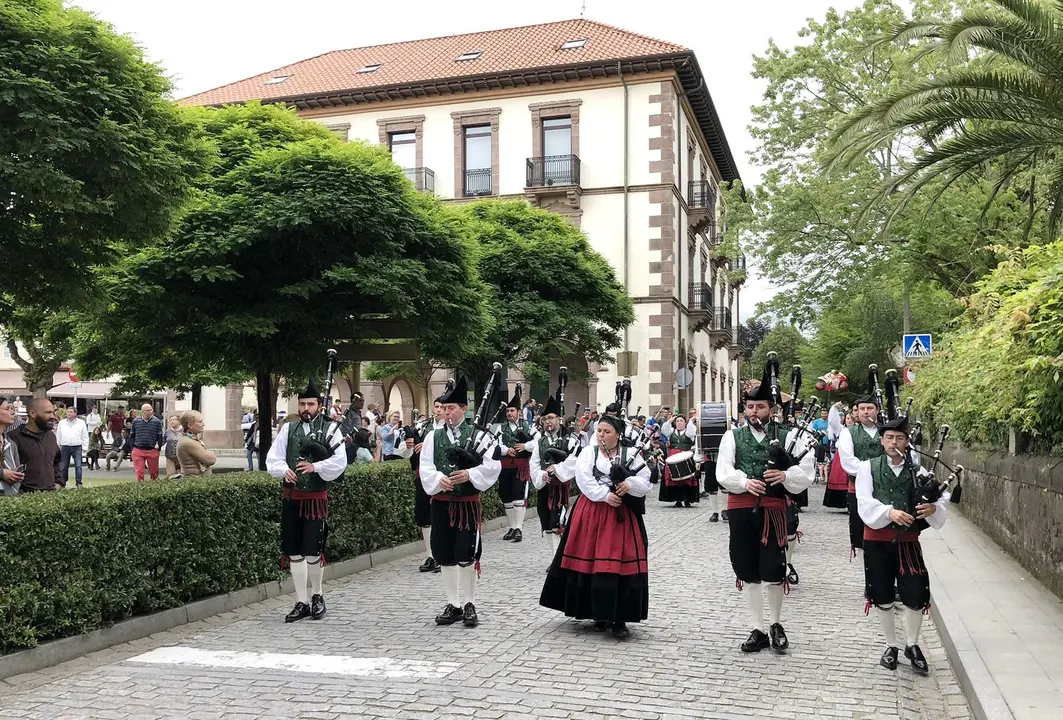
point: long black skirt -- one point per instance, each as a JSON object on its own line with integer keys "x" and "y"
{"x": 679, "y": 493}
{"x": 604, "y": 597}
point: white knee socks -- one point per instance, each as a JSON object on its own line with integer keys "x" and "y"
{"x": 913, "y": 622}
{"x": 450, "y": 583}
{"x": 510, "y": 515}
{"x": 299, "y": 573}
{"x": 775, "y": 591}
{"x": 889, "y": 625}
{"x": 755, "y": 599}
{"x": 468, "y": 584}
{"x": 518, "y": 516}
{"x": 316, "y": 574}
{"x": 555, "y": 542}
{"x": 714, "y": 502}
{"x": 426, "y": 535}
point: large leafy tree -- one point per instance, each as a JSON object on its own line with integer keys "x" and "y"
{"x": 94, "y": 162}
{"x": 550, "y": 294}
{"x": 1002, "y": 104}
{"x": 296, "y": 241}
{"x": 788, "y": 343}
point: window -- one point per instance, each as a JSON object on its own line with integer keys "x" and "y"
{"x": 276, "y": 80}
{"x": 469, "y": 56}
{"x": 574, "y": 44}
{"x": 7, "y": 350}
{"x": 478, "y": 168}
{"x": 372, "y": 67}
{"x": 403, "y": 146}
{"x": 557, "y": 136}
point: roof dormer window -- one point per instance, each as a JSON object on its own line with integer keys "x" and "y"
{"x": 372, "y": 67}
{"x": 276, "y": 80}
{"x": 464, "y": 57}
{"x": 574, "y": 44}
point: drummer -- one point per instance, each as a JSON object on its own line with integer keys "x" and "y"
{"x": 680, "y": 474}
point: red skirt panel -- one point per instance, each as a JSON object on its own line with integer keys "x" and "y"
{"x": 837, "y": 479}
{"x": 598, "y": 543}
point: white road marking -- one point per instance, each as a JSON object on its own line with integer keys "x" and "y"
{"x": 318, "y": 664}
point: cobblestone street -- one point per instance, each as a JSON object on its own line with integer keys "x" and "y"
{"x": 522, "y": 661}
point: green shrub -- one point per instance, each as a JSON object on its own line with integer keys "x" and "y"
{"x": 75, "y": 561}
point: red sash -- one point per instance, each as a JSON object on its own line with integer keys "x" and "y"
{"x": 313, "y": 504}
{"x": 466, "y": 511}
{"x": 890, "y": 534}
{"x": 773, "y": 509}
{"x": 522, "y": 464}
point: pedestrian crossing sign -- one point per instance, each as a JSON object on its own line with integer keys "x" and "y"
{"x": 917, "y": 346}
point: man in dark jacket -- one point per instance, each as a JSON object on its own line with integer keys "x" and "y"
{"x": 38, "y": 448}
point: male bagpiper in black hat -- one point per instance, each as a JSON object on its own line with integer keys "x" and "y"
{"x": 306, "y": 455}
{"x": 454, "y": 477}
{"x": 748, "y": 467}
{"x": 856, "y": 444}
{"x": 553, "y": 467}
{"x": 515, "y": 444}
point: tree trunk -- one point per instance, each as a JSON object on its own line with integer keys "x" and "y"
{"x": 197, "y": 397}
{"x": 265, "y": 398}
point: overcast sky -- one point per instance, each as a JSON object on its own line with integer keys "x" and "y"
{"x": 203, "y": 44}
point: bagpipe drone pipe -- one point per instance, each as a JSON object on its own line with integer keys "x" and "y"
{"x": 471, "y": 453}
{"x": 318, "y": 445}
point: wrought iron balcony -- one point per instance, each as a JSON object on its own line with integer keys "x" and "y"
{"x": 553, "y": 170}
{"x": 422, "y": 178}
{"x": 477, "y": 182}
{"x": 740, "y": 262}
{"x": 700, "y": 298}
{"x": 701, "y": 195}
{"x": 720, "y": 327}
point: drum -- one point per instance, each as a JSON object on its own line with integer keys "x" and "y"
{"x": 681, "y": 465}
{"x": 712, "y": 424}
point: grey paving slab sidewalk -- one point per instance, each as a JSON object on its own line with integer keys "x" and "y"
{"x": 1006, "y": 625}
{"x": 522, "y": 661}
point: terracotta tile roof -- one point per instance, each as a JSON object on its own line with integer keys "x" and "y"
{"x": 522, "y": 48}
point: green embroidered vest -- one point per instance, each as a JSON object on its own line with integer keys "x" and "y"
{"x": 545, "y": 444}
{"x": 508, "y": 438}
{"x": 680, "y": 442}
{"x": 441, "y": 446}
{"x": 751, "y": 457}
{"x": 865, "y": 447}
{"x": 296, "y": 439}
{"x": 890, "y": 489}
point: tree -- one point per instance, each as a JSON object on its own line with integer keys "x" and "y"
{"x": 295, "y": 242}
{"x": 551, "y": 294}
{"x": 93, "y": 158}
{"x": 1003, "y": 105}
{"x": 45, "y": 336}
{"x": 820, "y": 234}
{"x": 788, "y": 343}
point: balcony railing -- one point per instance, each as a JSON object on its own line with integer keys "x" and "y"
{"x": 553, "y": 170}
{"x": 701, "y": 195}
{"x": 700, "y": 297}
{"x": 477, "y": 182}
{"x": 422, "y": 178}
{"x": 721, "y": 322}
{"x": 740, "y": 262}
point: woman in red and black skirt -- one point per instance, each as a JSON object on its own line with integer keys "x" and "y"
{"x": 599, "y": 572}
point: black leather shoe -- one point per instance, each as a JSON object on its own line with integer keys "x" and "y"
{"x": 723, "y": 516}
{"x": 715, "y": 517}
{"x": 915, "y": 655}
{"x": 791, "y": 575}
{"x": 889, "y": 658}
{"x": 509, "y": 534}
{"x": 518, "y": 535}
{"x": 678, "y": 504}
{"x": 300, "y": 611}
{"x": 317, "y": 607}
{"x": 686, "y": 503}
{"x": 779, "y": 641}
{"x": 469, "y": 616}
{"x": 620, "y": 630}
{"x": 757, "y": 641}
{"x": 600, "y": 625}
{"x": 449, "y": 616}
{"x": 429, "y": 565}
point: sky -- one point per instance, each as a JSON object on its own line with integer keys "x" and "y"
{"x": 202, "y": 44}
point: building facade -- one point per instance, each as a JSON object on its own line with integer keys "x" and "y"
{"x": 613, "y": 130}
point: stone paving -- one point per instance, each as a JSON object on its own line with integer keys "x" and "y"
{"x": 524, "y": 661}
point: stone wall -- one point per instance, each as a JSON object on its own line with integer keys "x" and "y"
{"x": 1018, "y": 501}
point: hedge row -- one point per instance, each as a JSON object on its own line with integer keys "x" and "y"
{"x": 74, "y": 561}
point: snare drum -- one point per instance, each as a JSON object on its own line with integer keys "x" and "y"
{"x": 681, "y": 465}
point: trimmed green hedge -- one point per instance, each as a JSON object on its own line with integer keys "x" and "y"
{"x": 74, "y": 561}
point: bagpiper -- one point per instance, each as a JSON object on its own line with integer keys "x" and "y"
{"x": 515, "y": 444}
{"x": 856, "y": 444}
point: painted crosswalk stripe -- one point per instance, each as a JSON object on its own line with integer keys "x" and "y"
{"x": 318, "y": 664}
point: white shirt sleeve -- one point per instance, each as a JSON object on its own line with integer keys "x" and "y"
{"x": 538, "y": 475}
{"x": 731, "y": 478}
{"x": 485, "y": 474}
{"x": 430, "y": 477}
{"x": 834, "y": 423}
{"x": 846, "y": 452}
{"x": 800, "y": 476}
{"x": 276, "y": 462}
{"x": 937, "y": 520}
{"x": 332, "y": 467}
{"x": 588, "y": 485}
{"x": 639, "y": 483}
{"x": 566, "y": 471}
{"x": 874, "y": 514}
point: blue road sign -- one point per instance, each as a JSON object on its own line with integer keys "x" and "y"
{"x": 918, "y": 346}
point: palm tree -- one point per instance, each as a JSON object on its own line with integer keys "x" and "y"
{"x": 1002, "y": 106}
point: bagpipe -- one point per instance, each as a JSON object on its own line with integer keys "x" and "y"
{"x": 568, "y": 440}
{"x": 621, "y": 470}
{"x": 471, "y": 453}
{"x": 318, "y": 445}
{"x": 521, "y": 435}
